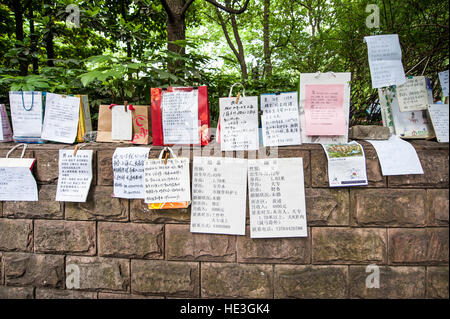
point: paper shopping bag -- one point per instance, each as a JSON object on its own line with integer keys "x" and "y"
{"x": 180, "y": 115}
{"x": 84, "y": 123}
{"x": 140, "y": 124}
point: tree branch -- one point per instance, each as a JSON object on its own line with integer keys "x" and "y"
{"x": 186, "y": 6}
{"x": 167, "y": 9}
{"x": 229, "y": 10}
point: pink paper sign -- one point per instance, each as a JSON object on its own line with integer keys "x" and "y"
{"x": 324, "y": 109}
{"x": 7, "y": 135}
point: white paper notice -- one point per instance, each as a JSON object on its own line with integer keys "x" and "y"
{"x": 75, "y": 176}
{"x": 277, "y": 198}
{"x": 121, "y": 123}
{"x": 385, "y": 60}
{"x": 128, "y": 168}
{"x": 280, "y": 119}
{"x": 26, "y": 113}
{"x": 167, "y": 183}
{"x": 346, "y": 164}
{"x": 180, "y": 117}
{"x": 413, "y": 95}
{"x": 397, "y": 157}
{"x": 239, "y": 123}
{"x": 443, "y": 78}
{"x": 219, "y": 192}
{"x": 61, "y": 118}
{"x": 16, "y": 180}
{"x": 439, "y": 118}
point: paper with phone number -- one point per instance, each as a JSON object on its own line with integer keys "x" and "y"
{"x": 346, "y": 164}
{"x": 128, "y": 168}
{"x": 17, "y": 182}
{"x": 385, "y": 60}
{"x": 280, "y": 119}
{"x": 180, "y": 117}
{"x": 61, "y": 118}
{"x": 219, "y": 193}
{"x": 26, "y": 113}
{"x": 167, "y": 182}
{"x": 397, "y": 157}
{"x": 277, "y": 198}
{"x": 75, "y": 175}
{"x": 324, "y": 109}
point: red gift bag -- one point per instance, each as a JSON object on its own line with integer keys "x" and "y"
{"x": 203, "y": 113}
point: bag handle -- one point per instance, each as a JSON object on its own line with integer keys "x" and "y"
{"x": 32, "y": 102}
{"x": 130, "y": 106}
{"x": 165, "y": 149}
{"x": 231, "y": 89}
{"x": 17, "y": 146}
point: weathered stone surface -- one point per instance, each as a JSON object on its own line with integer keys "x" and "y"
{"x": 374, "y": 175}
{"x": 181, "y": 244}
{"x": 438, "y": 208}
{"x": 105, "y": 175}
{"x": 16, "y": 292}
{"x": 16, "y": 234}
{"x": 59, "y": 236}
{"x": 418, "y": 246}
{"x": 273, "y": 250}
{"x": 326, "y": 206}
{"x": 139, "y": 212}
{"x": 395, "y": 282}
{"x": 1, "y": 269}
{"x": 348, "y": 245}
{"x": 46, "y": 166}
{"x": 106, "y": 295}
{"x": 369, "y": 132}
{"x": 158, "y": 277}
{"x": 64, "y": 294}
{"x": 45, "y": 208}
{"x": 129, "y": 240}
{"x": 286, "y": 152}
{"x": 388, "y": 207}
{"x": 437, "y": 282}
{"x": 293, "y": 281}
{"x": 97, "y": 273}
{"x": 23, "y": 269}
{"x": 236, "y": 280}
{"x": 100, "y": 205}
{"x": 435, "y": 168}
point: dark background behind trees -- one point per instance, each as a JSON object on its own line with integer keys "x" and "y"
{"x": 120, "y": 49}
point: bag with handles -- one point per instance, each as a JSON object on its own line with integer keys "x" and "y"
{"x": 180, "y": 115}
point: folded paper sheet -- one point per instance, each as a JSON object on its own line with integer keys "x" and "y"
{"x": 17, "y": 181}
{"x": 277, "y": 198}
{"x": 397, "y": 157}
{"x": 385, "y": 60}
{"x": 320, "y": 118}
{"x": 26, "y": 113}
{"x": 346, "y": 164}
{"x": 75, "y": 175}
{"x": 239, "y": 123}
{"x": 128, "y": 168}
{"x": 280, "y": 119}
{"x": 61, "y": 118}
{"x": 439, "y": 118}
{"x": 167, "y": 182}
{"x": 219, "y": 193}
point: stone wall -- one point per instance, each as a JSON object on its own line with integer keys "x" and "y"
{"x": 124, "y": 250}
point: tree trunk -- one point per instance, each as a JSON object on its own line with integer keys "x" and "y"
{"x": 49, "y": 45}
{"x": 18, "y": 17}
{"x": 33, "y": 39}
{"x": 176, "y": 31}
{"x": 266, "y": 36}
